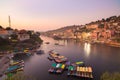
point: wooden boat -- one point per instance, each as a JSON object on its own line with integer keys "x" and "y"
{"x": 90, "y": 69}
{"x": 20, "y": 64}
{"x": 79, "y": 63}
{"x": 63, "y": 66}
{"x": 56, "y": 43}
{"x": 51, "y": 70}
{"x": 60, "y": 59}
{"x": 47, "y": 42}
{"x": 40, "y": 52}
{"x": 14, "y": 71}
{"x": 71, "y": 70}
{"x": 16, "y": 62}
{"x": 50, "y": 58}
{"x": 85, "y": 72}
{"x": 59, "y": 70}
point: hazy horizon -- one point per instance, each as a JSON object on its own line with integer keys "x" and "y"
{"x": 44, "y": 15}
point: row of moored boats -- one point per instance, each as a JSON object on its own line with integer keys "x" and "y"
{"x": 62, "y": 64}
{"x": 15, "y": 66}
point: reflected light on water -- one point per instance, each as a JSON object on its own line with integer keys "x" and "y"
{"x": 87, "y": 49}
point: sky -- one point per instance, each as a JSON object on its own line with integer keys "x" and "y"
{"x": 43, "y": 15}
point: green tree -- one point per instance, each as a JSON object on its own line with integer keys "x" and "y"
{"x": 9, "y": 28}
{"x": 14, "y": 36}
{"x": 101, "y": 26}
{"x": 110, "y": 76}
{"x": 1, "y": 27}
{"x": 4, "y": 41}
{"x": 20, "y": 76}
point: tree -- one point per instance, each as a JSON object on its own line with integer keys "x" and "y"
{"x": 4, "y": 41}
{"x": 110, "y": 76}
{"x": 103, "y": 19}
{"x": 19, "y": 76}
{"x": 101, "y": 26}
{"x": 14, "y": 36}
{"x": 1, "y": 27}
{"x": 9, "y": 28}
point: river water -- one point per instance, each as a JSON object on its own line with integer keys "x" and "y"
{"x": 102, "y": 58}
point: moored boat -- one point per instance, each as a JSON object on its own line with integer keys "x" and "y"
{"x": 16, "y": 63}
{"x": 57, "y": 68}
{"x": 40, "y": 52}
{"x": 47, "y": 42}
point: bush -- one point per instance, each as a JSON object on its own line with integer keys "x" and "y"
{"x": 110, "y": 76}
{"x": 4, "y": 41}
{"x": 20, "y": 76}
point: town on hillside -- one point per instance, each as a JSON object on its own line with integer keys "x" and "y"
{"x": 101, "y": 31}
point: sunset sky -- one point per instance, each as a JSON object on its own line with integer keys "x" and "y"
{"x": 43, "y": 15}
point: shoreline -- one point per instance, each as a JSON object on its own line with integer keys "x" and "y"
{"x": 113, "y": 44}
{"x": 110, "y": 43}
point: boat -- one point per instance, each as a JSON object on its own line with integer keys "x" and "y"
{"x": 51, "y": 70}
{"x": 52, "y": 52}
{"x": 13, "y": 68}
{"x": 57, "y": 68}
{"x": 56, "y": 43}
{"x": 60, "y": 60}
{"x": 50, "y": 58}
{"x": 14, "y": 71}
{"x": 40, "y": 52}
{"x": 79, "y": 63}
{"x": 85, "y": 72}
{"x": 47, "y": 42}
{"x": 16, "y": 63}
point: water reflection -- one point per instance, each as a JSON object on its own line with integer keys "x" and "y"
{"x": 87, "y": 49}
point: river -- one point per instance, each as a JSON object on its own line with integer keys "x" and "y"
{"x": 102, "y": 58}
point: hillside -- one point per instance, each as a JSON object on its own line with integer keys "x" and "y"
{"x": 110, "y": 21}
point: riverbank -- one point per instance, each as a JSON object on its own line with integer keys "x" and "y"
{"x": 4, "y": 63}
{"x": 113, "y": 44}
{"x": 108, "y": 43}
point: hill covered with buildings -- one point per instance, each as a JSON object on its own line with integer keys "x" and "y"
{"x": 102, "y": 30}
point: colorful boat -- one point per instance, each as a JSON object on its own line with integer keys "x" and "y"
{"x": 16, "y": 62}
{"x": 14, "y": 67}
{"x": 47, "y": 42}
{"x": 79, "y": 63}
{"x": 14, "y": 71}
{"x": 71, "y": 70}
{"x": 40, "y": 52}
{"x": 57, "y": 68}
{"x": 50, "y": 58}
{"x": 85, "y": 72}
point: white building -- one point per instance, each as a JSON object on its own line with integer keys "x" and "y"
{"x": 23, "y": 35}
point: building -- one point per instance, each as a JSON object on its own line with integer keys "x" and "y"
{"x": 92, "y": 26}
{"x": 4, "y": 33}
{"x": 23, "y": 35}
{"x": 10, "y": 32}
